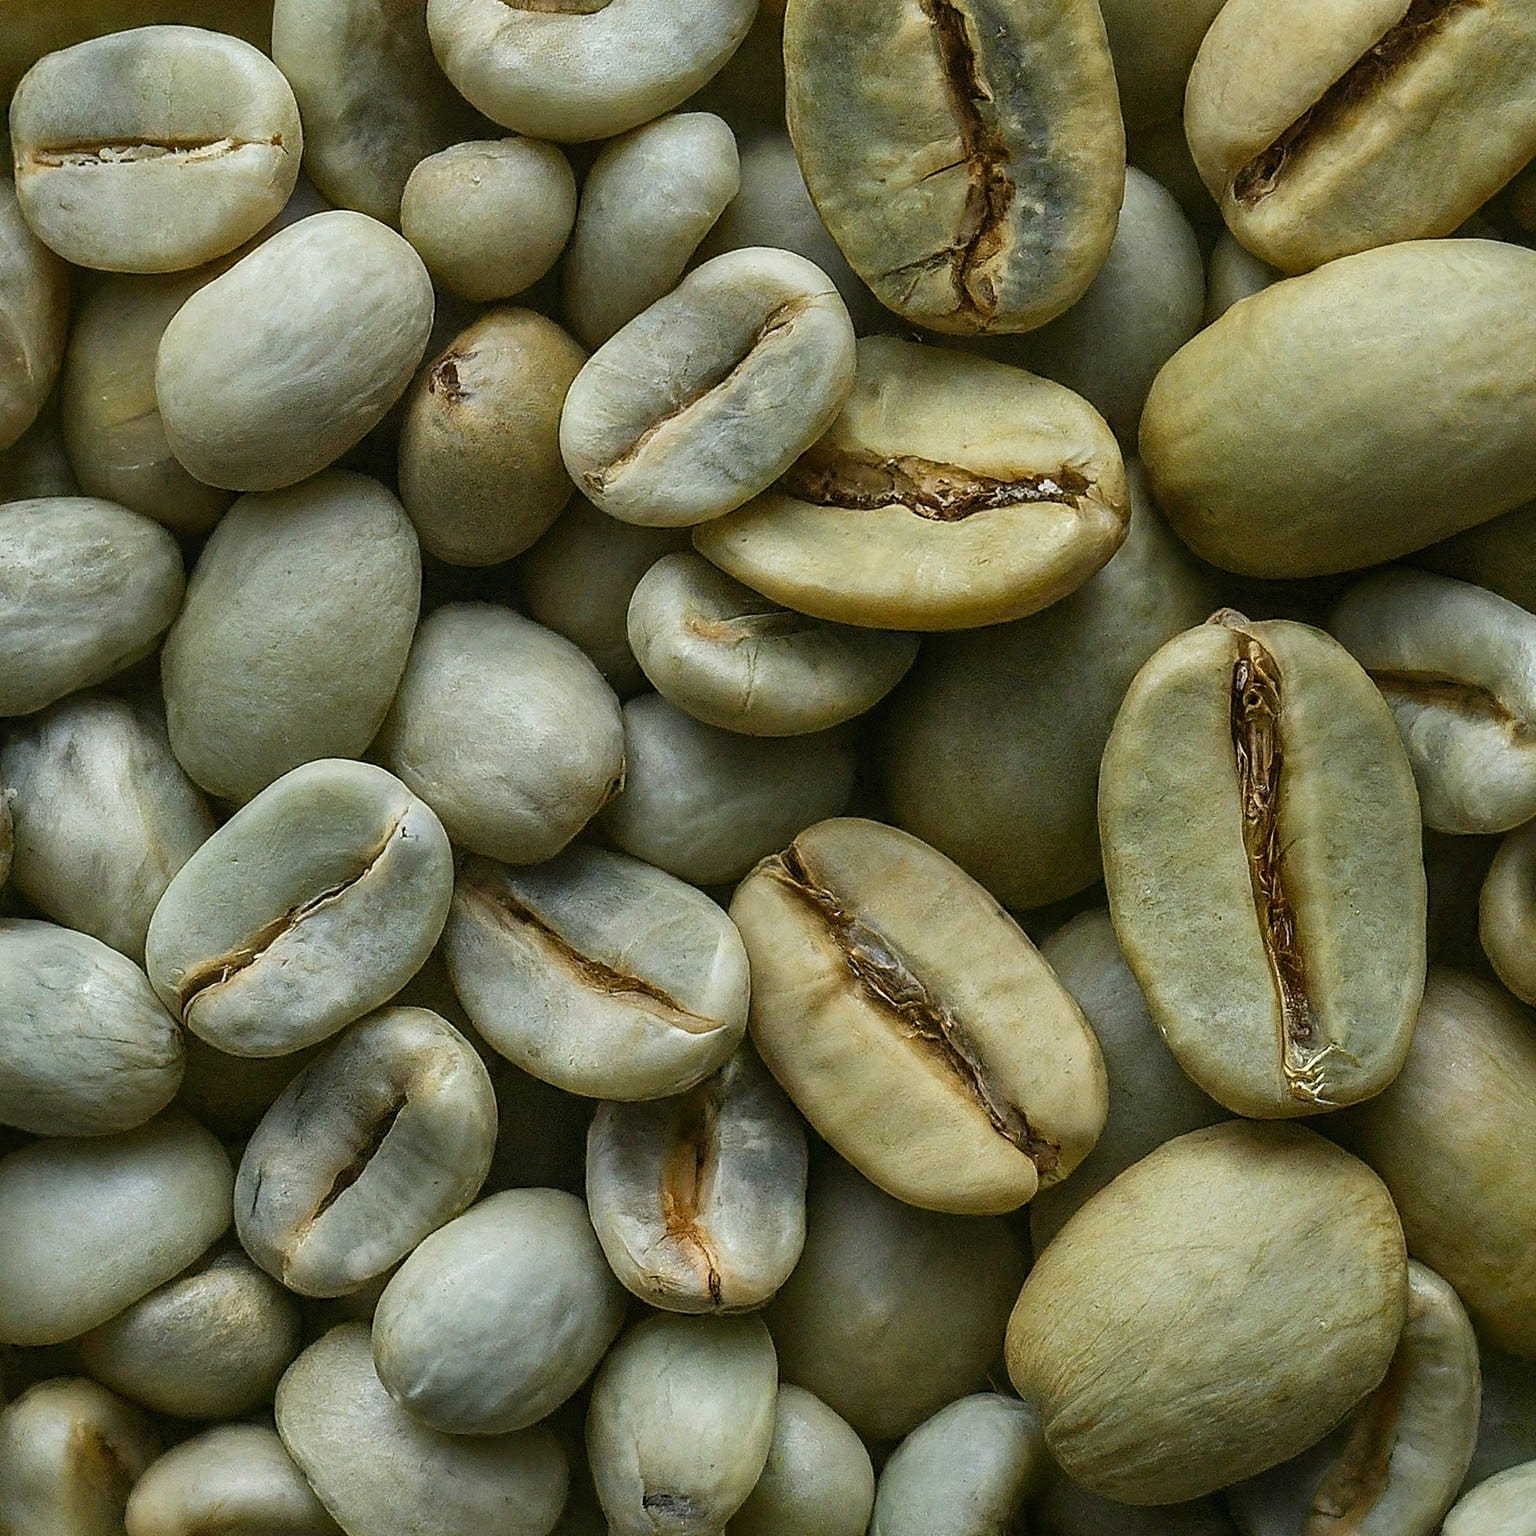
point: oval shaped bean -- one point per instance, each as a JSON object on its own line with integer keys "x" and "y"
{"x": 235, "y": 1479}
{"x": 376, "y": 1143}
{"x": 952, "y": 491}
{"x": 153, "y": 149}
{"x": 588, "y": 69}
{"x": 506, "y": 730}
{"x": 699, "y": 1201}
{"x": 1254, "y": 785}
{"x": 97, "y": 1222}
{"x": 294, "y": 634}
{"x": 210, "y": 1344}
{"x": 881, "y": 973}
{"x": 708, "y": 396}
{"x": 104, "y": 815}
{"x": 1140, "y": 1361}
{"x": 272, "y": 371}
{"x": 1457, "y": 665}
{"x": 85, "y": 1047}
{"x": 378, "y": 1472}
{"x": 86, "y": 589}
{"x": 732, "y": 658}
{"x": 1507, "y": 913}
{"x": 34, "y": 316}
{"x": 499, "y": 1316}
{"x": 598, "y": 973}
{"x": 680, "y": 1423}
{"x": 316, "y": 902}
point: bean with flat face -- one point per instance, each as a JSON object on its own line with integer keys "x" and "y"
{"x": 1458, "y": 667}
{"x": 153, "y": 149}
{"x": 376, "y": 1143}
{"x": 506, "y": 730}
{"x": 892, "y": 1312}
{"x": 95, "y": 1223}
{"x": 680, "y": 1423}
{"x": 1387, "y": 404}
{"x": 316, "y": 902}
{"x": 967, "y": 155}
{"x": 209, "y": 1344}
{"x": 85, "y": 1047}
{"x": 648, "y": 200}
{"x": 817, "y": 1480}
{"x": 70, "y": 1454}
{"x": 1352, "y": 125}
{"x": 1262, "y": 858}
{"x": 951, "y": 492}
{"x": 708, "y": 396}
{"x": 582, "y": 69}
{"x": 34, "y": 312}
{"x": 598, "y": 973}
{"x": 1454, "y": 1137}
{"x": 1139, "y": 1327}
{"x": 86, "y": 589}
{"x": 1504, "y": 1505}
{"x": 1507, "y": 912}
{"x": 380, "y": 1473}
{"x": 699, "y": 1201}
{"x": 374, "y": 101}
{"x": 1392, "y": 1468}
{"x": 273, "y": 370}
{"x": 498, "y": 1317}
{"x": 966, "y": 1469}
{"x": 881, "y": 973}
{"x": 732, "y": 658}
{"x": 480, "y": 468}
{"x": 236, "y": 1480}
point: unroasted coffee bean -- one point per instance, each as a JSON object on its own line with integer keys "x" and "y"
{"x": 1262, "y": 858}
{"x": 1501, "y": 1506}
{"x": 34, "y": 311}
{"x": 952, "y": 491}
{"x": 1507, "y": 912}
{"x": 968, "y": 155}
{"x": 882, "y": 973}
{"x": 1136, "y": 1329}
{"x": 699, "y": 1200}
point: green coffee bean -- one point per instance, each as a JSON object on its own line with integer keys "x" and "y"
{"x": 34, "y": 312}
{"x": 1153, "y": 49}
{"x": 1502, "y": 1506}
{"x": 313, "y": 904}
{"x": 499, "y": 1316}
{"x": 1232, "y": 274}
{"x": 1262, "y": 859}
{"x": 1135, "y": 1329}
{"x": 1507, "y": 912}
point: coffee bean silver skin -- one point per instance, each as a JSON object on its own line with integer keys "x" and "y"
{"x": 86, "y": 589}
{"x": 154, "y": 149}
{"x": 314, "y": 903}
{"x": 380, "y": 1473}
{"x": 699, "y": 1200}
{"x": 234, "y": 1479}
{"x": 95, "y": 1223}
{"x": 598, "y": 973}
{"x": 273, "y": 370}
{"x": 210, "y": 1344}
{"x": 376, "y": 1143}
{"x": 295, "y": 630}
{"x": 499, "y": 1316}
{"x": 104, "y": 814}
{"x": 70, "y": 1454}
{"x": 680, "y": 1423}
{"x": 85, "y": 1046}
{"x": 34, "y": 315}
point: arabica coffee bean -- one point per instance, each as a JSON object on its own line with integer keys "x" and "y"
{"x": 1506, "y": 912}
{"x": 708, "y": 396}
{"x": 598, "y": 973}
{"x": 1140, "y": 1364}
{"x": 273, "y": 370}
{"x": 968, "y": 157}
{"x": 1262, "y": 858}
{"x": 376, "y": 1143}
{"x": 153, "y": 149}
{"x": 952, "y": 491}
{"x": 316, "y": 902}
{"x": 699, "y": 1200}
{"x": 34, "y": 311}
{"x": 861, "y": 998}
